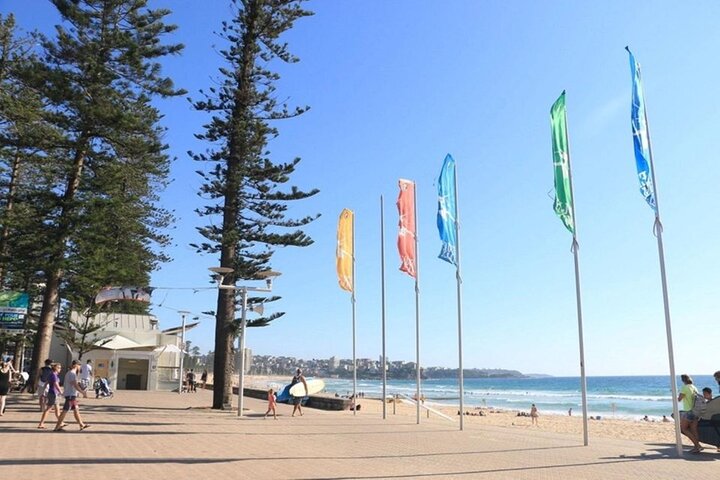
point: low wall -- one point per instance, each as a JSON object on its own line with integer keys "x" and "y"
{"x": 314, "y": 401}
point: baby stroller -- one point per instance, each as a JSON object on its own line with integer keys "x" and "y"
{"x": 102, "y": 388}
{"x": 19, "y": 382}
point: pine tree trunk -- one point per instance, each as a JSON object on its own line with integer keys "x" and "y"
{"x": 237, "y": 152}
{"x": 41, "y": 348}
{"x": 223, "y": 361}
{"x": 43, "y": 337}
{"x": 17, "y": 356}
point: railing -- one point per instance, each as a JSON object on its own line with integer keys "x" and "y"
{"x": 422, "y": 405}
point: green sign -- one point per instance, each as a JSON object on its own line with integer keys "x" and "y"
{"x": 13, "y": 310}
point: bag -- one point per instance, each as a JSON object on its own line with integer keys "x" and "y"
{"x": 45, "y": 374}
{"x": 699, "y": 405}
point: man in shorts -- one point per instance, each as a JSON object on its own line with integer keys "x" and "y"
{"x": 71, "y": 393}
{"x": 86, "y": 377}
{"x": 43, "y": 379}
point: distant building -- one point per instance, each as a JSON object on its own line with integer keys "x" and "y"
{"x": 132, "y": 353}
{"x": 334, "y": 362}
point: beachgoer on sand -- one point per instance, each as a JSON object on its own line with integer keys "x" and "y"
{"x": 534, "y": 414}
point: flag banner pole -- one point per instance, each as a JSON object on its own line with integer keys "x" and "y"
{"x": 459, "y": 306}
{"x": 417, "y": 306}
{"x": 459, "y": 288}
{"x": 644, "y": 162}
{"x": 408, "y": 249}
{"x": 564, "y": 207}
{"x": 382, "y": 304}
{"x": 583, "y": 379}
{"x": 448, "y": 222}
{"x": 352, "y": 300}
{"x": 578, "y": 298}
{"x": 345, "y": 264}
{"x": 658, "y": 230}
{"x": 668, "y": 330}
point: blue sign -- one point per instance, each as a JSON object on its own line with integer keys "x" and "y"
{"x": 13, "y": 310}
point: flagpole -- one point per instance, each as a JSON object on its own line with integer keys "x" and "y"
{"x": 575, "y": 248}
{"x": 417, "y": 307}
{"x": 658, "y": 229}
{"x": 352, "y": 300}
{"x": 459, "y": 301}
{"x": 382, "y": 296}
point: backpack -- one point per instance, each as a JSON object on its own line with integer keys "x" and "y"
{"x": 699, "y": 405}
{"x": 45, "y": 374}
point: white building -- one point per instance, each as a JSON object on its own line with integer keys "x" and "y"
{"x": 132, "y": 353}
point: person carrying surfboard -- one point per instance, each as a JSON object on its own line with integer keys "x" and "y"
{"x": 296, "y": 400}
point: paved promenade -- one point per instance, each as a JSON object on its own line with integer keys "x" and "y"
{"x": 146, "y": 435}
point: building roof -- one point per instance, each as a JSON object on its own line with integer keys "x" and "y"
{"x": 118, "y": 342}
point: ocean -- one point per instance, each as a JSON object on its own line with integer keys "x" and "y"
{"x": 619, "y": 397}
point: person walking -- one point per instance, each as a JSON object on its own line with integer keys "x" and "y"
{"x": 203, "y": 378}
{"x": 6, "y": 371}
{"x": 272, "y": 403}
{"x": 86, "y": 373}
{"x": 191, "y": 381}
{"x": 534, "y": 414}
{"x": 43, "y": 380}
{"x": 72, "y": 388}
{"x": 53, "y": 392}
{"x": 297, "y": 378}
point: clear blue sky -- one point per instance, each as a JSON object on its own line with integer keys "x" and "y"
{"x": 393, "y": 87}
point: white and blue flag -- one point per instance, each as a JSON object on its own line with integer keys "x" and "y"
{"x": 641, "y": 139}
{"x": 447, "y": 211}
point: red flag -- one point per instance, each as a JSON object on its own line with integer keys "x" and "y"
{"x": 406, "y": 236}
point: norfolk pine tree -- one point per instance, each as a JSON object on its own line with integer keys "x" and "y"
{"x": 96, "y": 79}
{"x": 242, "y": 182}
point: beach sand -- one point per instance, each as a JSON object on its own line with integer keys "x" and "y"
{"x": 652, "y": 432}
{"x": 618, "y": 429}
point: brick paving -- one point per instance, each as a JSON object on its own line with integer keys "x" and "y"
{"x": 142, "y": 435}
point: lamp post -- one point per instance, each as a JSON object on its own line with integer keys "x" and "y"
{"x": 182, "y": 349}
{"x": 268, "y": 276}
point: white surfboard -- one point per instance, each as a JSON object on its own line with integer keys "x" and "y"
{"x": 313, "y": 386}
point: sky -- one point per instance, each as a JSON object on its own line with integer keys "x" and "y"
{"x": 395, "y": 86}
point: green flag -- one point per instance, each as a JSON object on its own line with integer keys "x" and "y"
{"x": 561, "y": 163}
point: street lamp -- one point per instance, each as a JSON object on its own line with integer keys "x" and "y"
{"x": 182, "y": 349}
{"x": 268, "y": 276}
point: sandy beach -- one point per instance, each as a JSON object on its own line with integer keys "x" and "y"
{"x": 617, "y": 429}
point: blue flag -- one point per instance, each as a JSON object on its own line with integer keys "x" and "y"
{"x": 641, "y": 139}
{"x": 447, "y": 211}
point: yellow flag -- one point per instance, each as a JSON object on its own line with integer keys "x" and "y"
{"x": 345, "y": 249}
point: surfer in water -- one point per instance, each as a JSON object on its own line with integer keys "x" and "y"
{"x": 296, "y": 400}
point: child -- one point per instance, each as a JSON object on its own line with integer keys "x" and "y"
{"x": 271, "y": 404}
